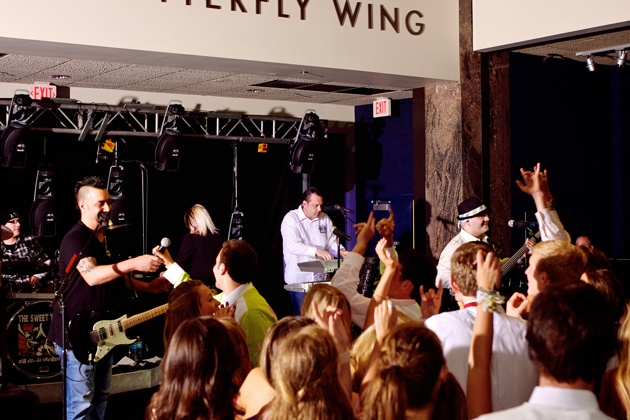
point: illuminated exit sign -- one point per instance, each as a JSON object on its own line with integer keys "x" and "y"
{"x": 382, "y": 107}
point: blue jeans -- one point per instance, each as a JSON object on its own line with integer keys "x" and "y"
{"x": 297, "y": 298}
{"x": 87, "y": 387}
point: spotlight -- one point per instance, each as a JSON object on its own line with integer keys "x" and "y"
{"x": 621, "y": 58}
{"x": 167, "y": 150}
{"x": 22, "y": 100}
{"x": 115, "y": 184}
{"x": 42, "y": 216}
{"x": 13, "y": 145}
{"x": 303, "y": 147}
{"x": 590, "y": 63}
{"x": 175, "y": 109}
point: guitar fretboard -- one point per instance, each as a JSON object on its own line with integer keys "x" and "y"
{"x": 509, "y": 264}
{"x": 144, "y": 316}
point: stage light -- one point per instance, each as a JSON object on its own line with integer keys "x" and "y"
{"x": 118, "y": 206}
{"x": 621, "y": 58}
{"x": 590, "y": 63}
{"x": 303, "y": 148}
{"x": 22, "y": 100}
{"x": 167, "y": 150}
{"x": 167, "y": 145}
{"x": 13, "y": 145}
{"x": 42, "y": 215}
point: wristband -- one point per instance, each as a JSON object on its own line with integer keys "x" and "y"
{"x": 489, "y": 299}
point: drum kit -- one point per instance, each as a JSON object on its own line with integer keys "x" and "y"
{"x": 30, "y": 354}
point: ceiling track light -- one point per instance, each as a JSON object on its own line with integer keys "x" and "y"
{"x": 605, "y": 54}
{"x": 590, "y": 63}
{"x": 621, "y": 58}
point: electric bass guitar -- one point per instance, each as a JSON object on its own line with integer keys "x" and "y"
{"x": 509, "y": 264}
{"x": 91, "y": 340}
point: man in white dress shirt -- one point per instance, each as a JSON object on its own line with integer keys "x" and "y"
{"x": 512, "y": 373}
{"x": 307, "y": 234}
{"x": 570, "y": 341}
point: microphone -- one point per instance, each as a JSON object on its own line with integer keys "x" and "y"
{"x": 340, "y": 233}
{"x": 520, "y": 224}
{"x": 164, "y": 243}
{"x": 103, "y": 218}
{"x": 338, "y": 207}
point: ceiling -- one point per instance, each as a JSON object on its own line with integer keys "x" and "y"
{"x": 320, "y": 87}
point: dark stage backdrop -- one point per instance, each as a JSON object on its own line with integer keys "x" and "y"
{"x": 267, "y": 189}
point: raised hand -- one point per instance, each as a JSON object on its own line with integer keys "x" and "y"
{"x": 488, "y": 270}
{"x": 332, "y": 320}
{"x": 385, "y": 254}
{"x": 431, "y": 301}
{"x": 517, "y": 305}
{"x": 385, "y": 316}
{"x": 385, "y": 228}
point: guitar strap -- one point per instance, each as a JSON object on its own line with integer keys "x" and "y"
{"x": 495, "y": 247}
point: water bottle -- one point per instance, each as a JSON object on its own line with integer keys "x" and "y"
{"x": 133, "y": 351}
{"x": 139, "y": 350}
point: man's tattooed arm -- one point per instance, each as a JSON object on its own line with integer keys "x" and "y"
{"x": 86, "y": 265}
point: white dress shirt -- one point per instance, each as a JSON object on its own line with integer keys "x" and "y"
{"x": 347, "y": 278}
{"x": 301, "y": 237}
{"x": 553, "y": 403}
{"x": 513, "y": 374}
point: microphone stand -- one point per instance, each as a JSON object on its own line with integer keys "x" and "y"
{"x": 60, "y": 297}
{"x": 344, "y": 213}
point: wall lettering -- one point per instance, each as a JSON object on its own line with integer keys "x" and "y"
{"x": 352, "y": 13}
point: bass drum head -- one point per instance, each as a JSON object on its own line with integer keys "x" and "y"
{"x": 28, "y": 348}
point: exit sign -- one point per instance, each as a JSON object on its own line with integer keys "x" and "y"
{"x": 382, "y": 107}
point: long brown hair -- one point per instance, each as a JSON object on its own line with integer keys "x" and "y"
{"x": 411, "y": 361}
{"x": 304, "y": 374}
{"x": 183, "y": 303}
{"x": 197, "y": 374}
{"x": 240, "y": 344}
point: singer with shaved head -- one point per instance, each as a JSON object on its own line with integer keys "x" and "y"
{"x": 98, "y": 284}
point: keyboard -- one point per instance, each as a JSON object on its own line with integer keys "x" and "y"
{"x": 319, "y": 266}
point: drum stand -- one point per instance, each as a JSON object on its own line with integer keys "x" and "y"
{"x": 15, "y": 402}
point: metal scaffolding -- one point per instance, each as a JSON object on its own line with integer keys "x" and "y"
{"x": 68, "y": 116}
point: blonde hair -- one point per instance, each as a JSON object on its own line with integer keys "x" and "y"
{"x": 304, "y": 374}
{"x": 562, "y": 261}
{"x": 325, "y": 295}
{"x": 198, "y": 220}
{"x": 622, "y": 377}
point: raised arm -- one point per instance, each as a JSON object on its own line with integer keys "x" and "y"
{"x": 479, "y": 386}
{"x": 536, "y": 184}
{"x": 95, "y": 274}
{"x": 382, "y": 289}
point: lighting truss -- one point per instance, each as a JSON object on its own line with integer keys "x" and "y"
{"x": 68, "y": 116}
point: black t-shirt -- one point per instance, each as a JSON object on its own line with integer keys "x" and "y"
{"x": 197, "y": 256}
{"x": 79, "y": 295}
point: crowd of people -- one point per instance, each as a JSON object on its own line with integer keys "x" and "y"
{"x": 558, "y": 351}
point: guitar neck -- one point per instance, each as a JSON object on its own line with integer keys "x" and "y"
{"x": 144, "y": 316}
{"x": 509, "y": 264}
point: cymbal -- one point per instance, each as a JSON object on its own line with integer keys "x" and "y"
{"x": 6, "y": 233}
{"x": 24, "y": 267}
{"x": 112, "y": 227}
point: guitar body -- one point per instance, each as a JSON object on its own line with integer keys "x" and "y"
{"x": 92, "y": 337}
{"x": 79, "y": 335}
{"x": 109, "y": 334}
